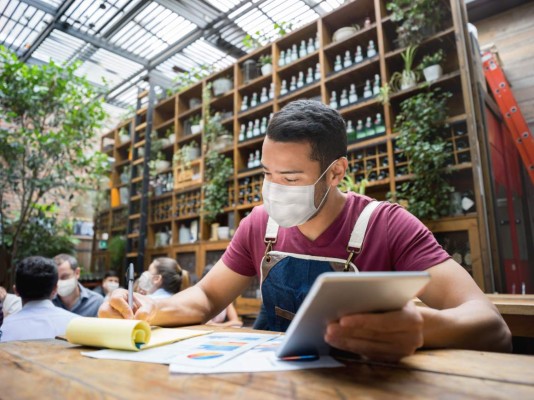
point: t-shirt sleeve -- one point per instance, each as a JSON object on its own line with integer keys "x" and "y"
{"x": 411, "y": 244}
{"x": 238, "y": 255}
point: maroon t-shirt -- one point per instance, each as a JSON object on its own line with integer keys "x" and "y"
{"x": 395, "y": 240}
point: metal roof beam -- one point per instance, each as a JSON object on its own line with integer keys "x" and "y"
{"x": 40, "y": 5}
{"x": 52, "y": 24}
{"x": 101, "y": 43}
{"x": 184, "y": 11}
{"x": 314, "y": 6}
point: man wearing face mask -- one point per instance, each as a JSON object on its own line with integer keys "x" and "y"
{"x": 110, "y": 282}
{"x": 36, "y": 283}
{"x": 307, "y": 226}
{"x": 71, "y": 295}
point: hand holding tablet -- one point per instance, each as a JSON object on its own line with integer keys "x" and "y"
{"x": 335, "y": 294}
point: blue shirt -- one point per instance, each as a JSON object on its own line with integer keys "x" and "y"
{"x": 160, "y": 294}
{"x": 87, "y": 304}
{"x": 38, "y": 319}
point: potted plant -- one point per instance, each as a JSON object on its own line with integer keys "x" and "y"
{"x": 430, "y": 65}
{"x": 216, "y": 136}
{"x": 222, "y": 85}
{"x": 169, "y": 134}
{"x": 266, "y": 62}
{"x": 194, "y": 121}
{"x": 421, "y": 137}
{"x": 218, "y": 169}
{"x": 184, "y": 155}
{"x": 415, "y": 19}
{"x": 408, "y": 78}
{"x": 117, "y": 251}
{"x": 345, "y": 32}
{"x": 124, "y": 136}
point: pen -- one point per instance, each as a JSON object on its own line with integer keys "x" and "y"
{"x": 130, "y": 285}
{"x": 311, "y": 357}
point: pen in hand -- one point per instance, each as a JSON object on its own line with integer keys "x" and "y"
{"x": 130, "y": 285}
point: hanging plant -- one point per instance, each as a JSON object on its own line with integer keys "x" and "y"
{"x": 218, "y": 169}
{"x": 420, "y": 125}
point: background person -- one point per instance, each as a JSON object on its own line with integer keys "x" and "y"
{"x": 36, "y": 283}
{"x": 71, "y": 295}
{"x": 163, "y": 278}
{"x": 110, "y": 282}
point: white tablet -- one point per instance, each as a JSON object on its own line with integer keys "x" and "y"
{"x": 336, "y": 294}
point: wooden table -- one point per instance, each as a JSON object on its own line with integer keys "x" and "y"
{"x": 54, "y": 369}
{"x": 518, "y": 312}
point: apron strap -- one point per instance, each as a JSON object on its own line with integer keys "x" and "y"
{"x": 358, "y": 233}
{"x": 271, "y": 234}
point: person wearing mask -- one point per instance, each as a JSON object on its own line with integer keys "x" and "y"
{"x": 303, "y": 226}
{"x": 163, "y": 278}
{"x": 36, "y": 283}
{"x": 71, "y": 295}
{"x": 110, "y": 282}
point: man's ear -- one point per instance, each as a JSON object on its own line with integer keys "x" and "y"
{"x": 54, "y": 292}
{"x": 77, "y": 273}
{"x": 338, "y": 170}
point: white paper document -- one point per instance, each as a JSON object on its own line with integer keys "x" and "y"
{"x": 207, "y": 350}
{"x": 259, "y": 359}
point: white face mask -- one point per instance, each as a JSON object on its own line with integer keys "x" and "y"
{"x": 291, "y": 205}
{"x": 65, "y": 287}
{"x": 145, "y": 282}
{"x": 111, "y": 286}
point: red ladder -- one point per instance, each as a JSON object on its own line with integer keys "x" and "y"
{"x": 513, "y": 118}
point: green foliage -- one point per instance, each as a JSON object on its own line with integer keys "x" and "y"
{"x": 42, "y": 234}
{"x": 181, "y": 157}
{"x": 383, "y": 95}
{"x": 266, "y": 59}
{"x": 431, "y": 59}
{"x": 155, "y": 153}
{"x": 348, "y": 185}
{"x": 117, "y": 251}
{"x": 183, "y": 80}
{"x": 218, "y": 169}
{"x": 212, "y": 127}
{"x": 421, "y": 137}
{"x": 415, "y": 19}
{"x": 398, "y": 80}
{"x": 51, "y": 116}
{"x": 259, "y": 38}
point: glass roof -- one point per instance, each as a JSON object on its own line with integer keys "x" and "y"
{"x": 118, "y": 41}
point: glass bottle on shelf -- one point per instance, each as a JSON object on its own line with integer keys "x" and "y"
{"x": 468, "y": 202}
{"x": 288, "y": 57}
{"x": 376, "y": 85}
{"x": 302, "y": 50}
{"x": 263, "y": 96}
{"x": 271, "y": 91}
{"x": 242, "y": 132}
{"x": 358, "y": 57}
{"x": 250, "y": 161}
{"x": 350, "y": 130}
{"x": 367, "y": 92}
{"x": 309, "y": 76}
{"x": 317, "y": 74}
{"x": 254, "y": 100}
{"x": 371, "y": 50}
{"x": 310, "y": 48}
{"x": 367, "y": 22}
{"x": 294, "y": 53}
{"x": 250, "y": 130}
{"x": 360, "y": 133}
{"x": 369, "y": 130}
{"x": 293, "y": 84}
{"x": 372, "y": 176}
{"x": 347, "y": 62}
{"x": 256, "y": 130}
{"x": 257, "y": 159}
{"x": 263, "y": 125}
{"x": 244, "y": 103}
{"x": 333, "y": 100}
{"x": 316, "y": 42}
{"x": 353, "y": 96}
{"x": 282, "y": 59}
{"x": 379, "y": 124}
{"x": 343, "y": 100}
{"x": 283, "y": 89}
{"x": 300, "y": 80}
{"x": 337, "y": 64}
{"x": 383, "y": 174}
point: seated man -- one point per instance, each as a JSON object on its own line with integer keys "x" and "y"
{"x": 310, "y": 224}
{"x": 36, "y": 284}
{"x": 71, "y": 295}
{"x": 110, "y": 282}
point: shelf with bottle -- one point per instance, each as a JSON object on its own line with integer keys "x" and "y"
{"x": 297, "y": 46}
{"x": 299, "y": 78}
{"x": 163, "y": 184}
{"x": 371, "y": 126}
{"x": 249, "y": 190}
{"x": 344, "y": 95}
{"x": 310, "y": 92}
{"x": 119, "y": 217}
{"x": 188, "y": 204}
{"x": 159, "y": 235}
{"x": 255, "y": 97}
{"x": 350, "y": 61}
{"x": 371, "y": 163}
{"x": 188, "y": 230}
{"x": 253, "y": 129}
{"x": 249, "y": 70}
{"x": 248, "y": 158}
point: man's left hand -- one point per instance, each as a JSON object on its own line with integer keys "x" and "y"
{"x": 387, "y": 336}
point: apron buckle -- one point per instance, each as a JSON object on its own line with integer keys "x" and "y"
{"x": 351, "y": 251}
{"x": 269, "y": 243}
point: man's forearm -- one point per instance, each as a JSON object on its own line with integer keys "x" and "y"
{"x": 466, "y": 327}
{"x": 188, "y": 307}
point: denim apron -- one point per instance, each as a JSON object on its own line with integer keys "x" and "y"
{"x": 286, "y": 278}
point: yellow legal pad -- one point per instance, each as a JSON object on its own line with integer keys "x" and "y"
{"x": 124, "y": 334}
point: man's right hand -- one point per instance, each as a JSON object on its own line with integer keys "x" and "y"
{"x": 144, "y": 307}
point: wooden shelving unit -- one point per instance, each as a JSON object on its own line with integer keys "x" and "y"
{"x": 374, "y": 156}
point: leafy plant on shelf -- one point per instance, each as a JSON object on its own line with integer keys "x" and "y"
{"x": 266, "y": 59}
{"x": 431, "y": 59}
{"x": 415, "y": 19}
{"x": 218, "y": 169}
{"x": 409, "y": 76}
{"x": 155, "y": 153}
{"x": 182, "y": 157}
{"x": 420, "y": 125}
{"x": 117, "y": 251}
{"x": 185, "y": 79}
{"x": 212, "y": 127}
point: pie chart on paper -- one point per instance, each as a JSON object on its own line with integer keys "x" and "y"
{"x": 207, "y": 355}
